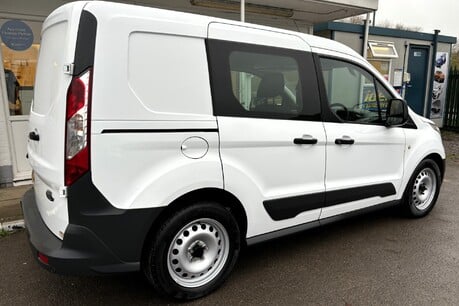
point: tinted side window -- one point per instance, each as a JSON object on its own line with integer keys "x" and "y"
{"x": 264, "y": 82}
{"x": 353, "y": 94}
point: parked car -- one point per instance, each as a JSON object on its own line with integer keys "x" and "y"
{"x": 164, "y": 142}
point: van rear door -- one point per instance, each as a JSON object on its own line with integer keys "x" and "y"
{"x": 47, "y": 116}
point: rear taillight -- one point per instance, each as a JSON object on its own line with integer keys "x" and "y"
{"x": 77, "y": 127}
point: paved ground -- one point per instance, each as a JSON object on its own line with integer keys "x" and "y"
{"x": 369, "y": 260}
{"x": 9, "y": 203}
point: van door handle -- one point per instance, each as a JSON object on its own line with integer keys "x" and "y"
{"x": 34, "y": 136}
{"x": 344, "y": 141}
{"x": 300, "y": 141}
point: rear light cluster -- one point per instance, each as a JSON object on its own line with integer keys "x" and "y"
{"x": 77, "y": 127}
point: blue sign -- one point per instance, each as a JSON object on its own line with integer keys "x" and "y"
{"x": 16, "y": 35}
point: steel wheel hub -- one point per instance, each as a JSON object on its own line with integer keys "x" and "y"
{"x": 424, "y": 189}
{"x": 198, "y": 253}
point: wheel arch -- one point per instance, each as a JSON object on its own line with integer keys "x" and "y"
{"x": 415, "y": 159}
{"x": 411, "y": 209}
{"x": 439, "y": 161}
{"x": 227, "y": 199}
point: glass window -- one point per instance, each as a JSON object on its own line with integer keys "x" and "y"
{"x": 352, "y": 93}
{"x": 265, "y": 83}
{"x": 19, "y": 69}
{"x": 383, "y": 66}
{"x": 383, "y": 49}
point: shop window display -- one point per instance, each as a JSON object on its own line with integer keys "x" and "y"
{"x": 19, "y": 68}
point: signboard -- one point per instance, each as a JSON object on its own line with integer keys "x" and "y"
{"x": 16, "y": 35}
{"x": 439, "y": 85}
{"x": 370, "y": 102}
{"x": 398, "y": 77}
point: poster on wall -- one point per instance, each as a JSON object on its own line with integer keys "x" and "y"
{"x": 17, "y": 35}
{"x": 439, "y": 85}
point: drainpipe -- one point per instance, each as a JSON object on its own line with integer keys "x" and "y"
{"x": 242, "y": 10}
{"x": 432, "y": 73}
{"x": 404, "y": 70}
{"x": 365, "y": 36}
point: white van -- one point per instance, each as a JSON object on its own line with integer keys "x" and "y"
{"x": 164, "y": 142}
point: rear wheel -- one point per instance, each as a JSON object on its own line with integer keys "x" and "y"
{"x": 422, "y": 190}
{"x": 193, "y": 252}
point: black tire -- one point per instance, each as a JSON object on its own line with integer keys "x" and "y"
{"x": 422, "y": 190}
{"x": 176, "y": 270}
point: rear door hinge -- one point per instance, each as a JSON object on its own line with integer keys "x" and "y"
{"x": 68, "y": 68}
{"x": 63, "y": 192}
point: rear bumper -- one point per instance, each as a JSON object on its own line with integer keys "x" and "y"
{"x": 80, "y": 252}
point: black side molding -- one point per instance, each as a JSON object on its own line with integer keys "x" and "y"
{"x": 286, "y": 208}
{"x": 359, "y": 193}
{"x": 123, "y": 231}
{"x": 317, "y": 223}
{"x": 290, "y": 207}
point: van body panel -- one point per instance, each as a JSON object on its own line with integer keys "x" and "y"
{"x": 47, "y": 116}
{"x": 375, "y": 158}
{"x": 148, "y": 163}
{"x": 134, "y": 93}
{"x": 261, "y": 162}
{"x": 418, "y": 148}
{"x": 175, "y": 90}
{"x": 156, "y": 100}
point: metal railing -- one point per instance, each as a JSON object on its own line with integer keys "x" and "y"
{"x": 451, "y": 117}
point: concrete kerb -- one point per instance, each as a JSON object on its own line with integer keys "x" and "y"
{"x": 11, "y": 217}
{"x": 12, "y": 225}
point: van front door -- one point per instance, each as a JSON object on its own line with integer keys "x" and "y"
{"x": 272, "y": 140}
{"x": 364, "y": 157}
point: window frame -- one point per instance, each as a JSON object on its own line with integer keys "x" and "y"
{"x": 390, "y": 45}
{"x": 223, "y": 100}
{"x": 329, "y": 115}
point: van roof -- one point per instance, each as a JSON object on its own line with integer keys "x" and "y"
{"x": 196, "y": 21}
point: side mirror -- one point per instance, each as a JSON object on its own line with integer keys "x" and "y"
{"x": 396, "y": 113}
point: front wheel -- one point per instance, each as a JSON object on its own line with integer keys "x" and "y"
{"x": 193, "y": 252}
{"x": 422, "y": 190}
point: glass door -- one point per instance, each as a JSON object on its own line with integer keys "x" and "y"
{"x": 19, "y": 54}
